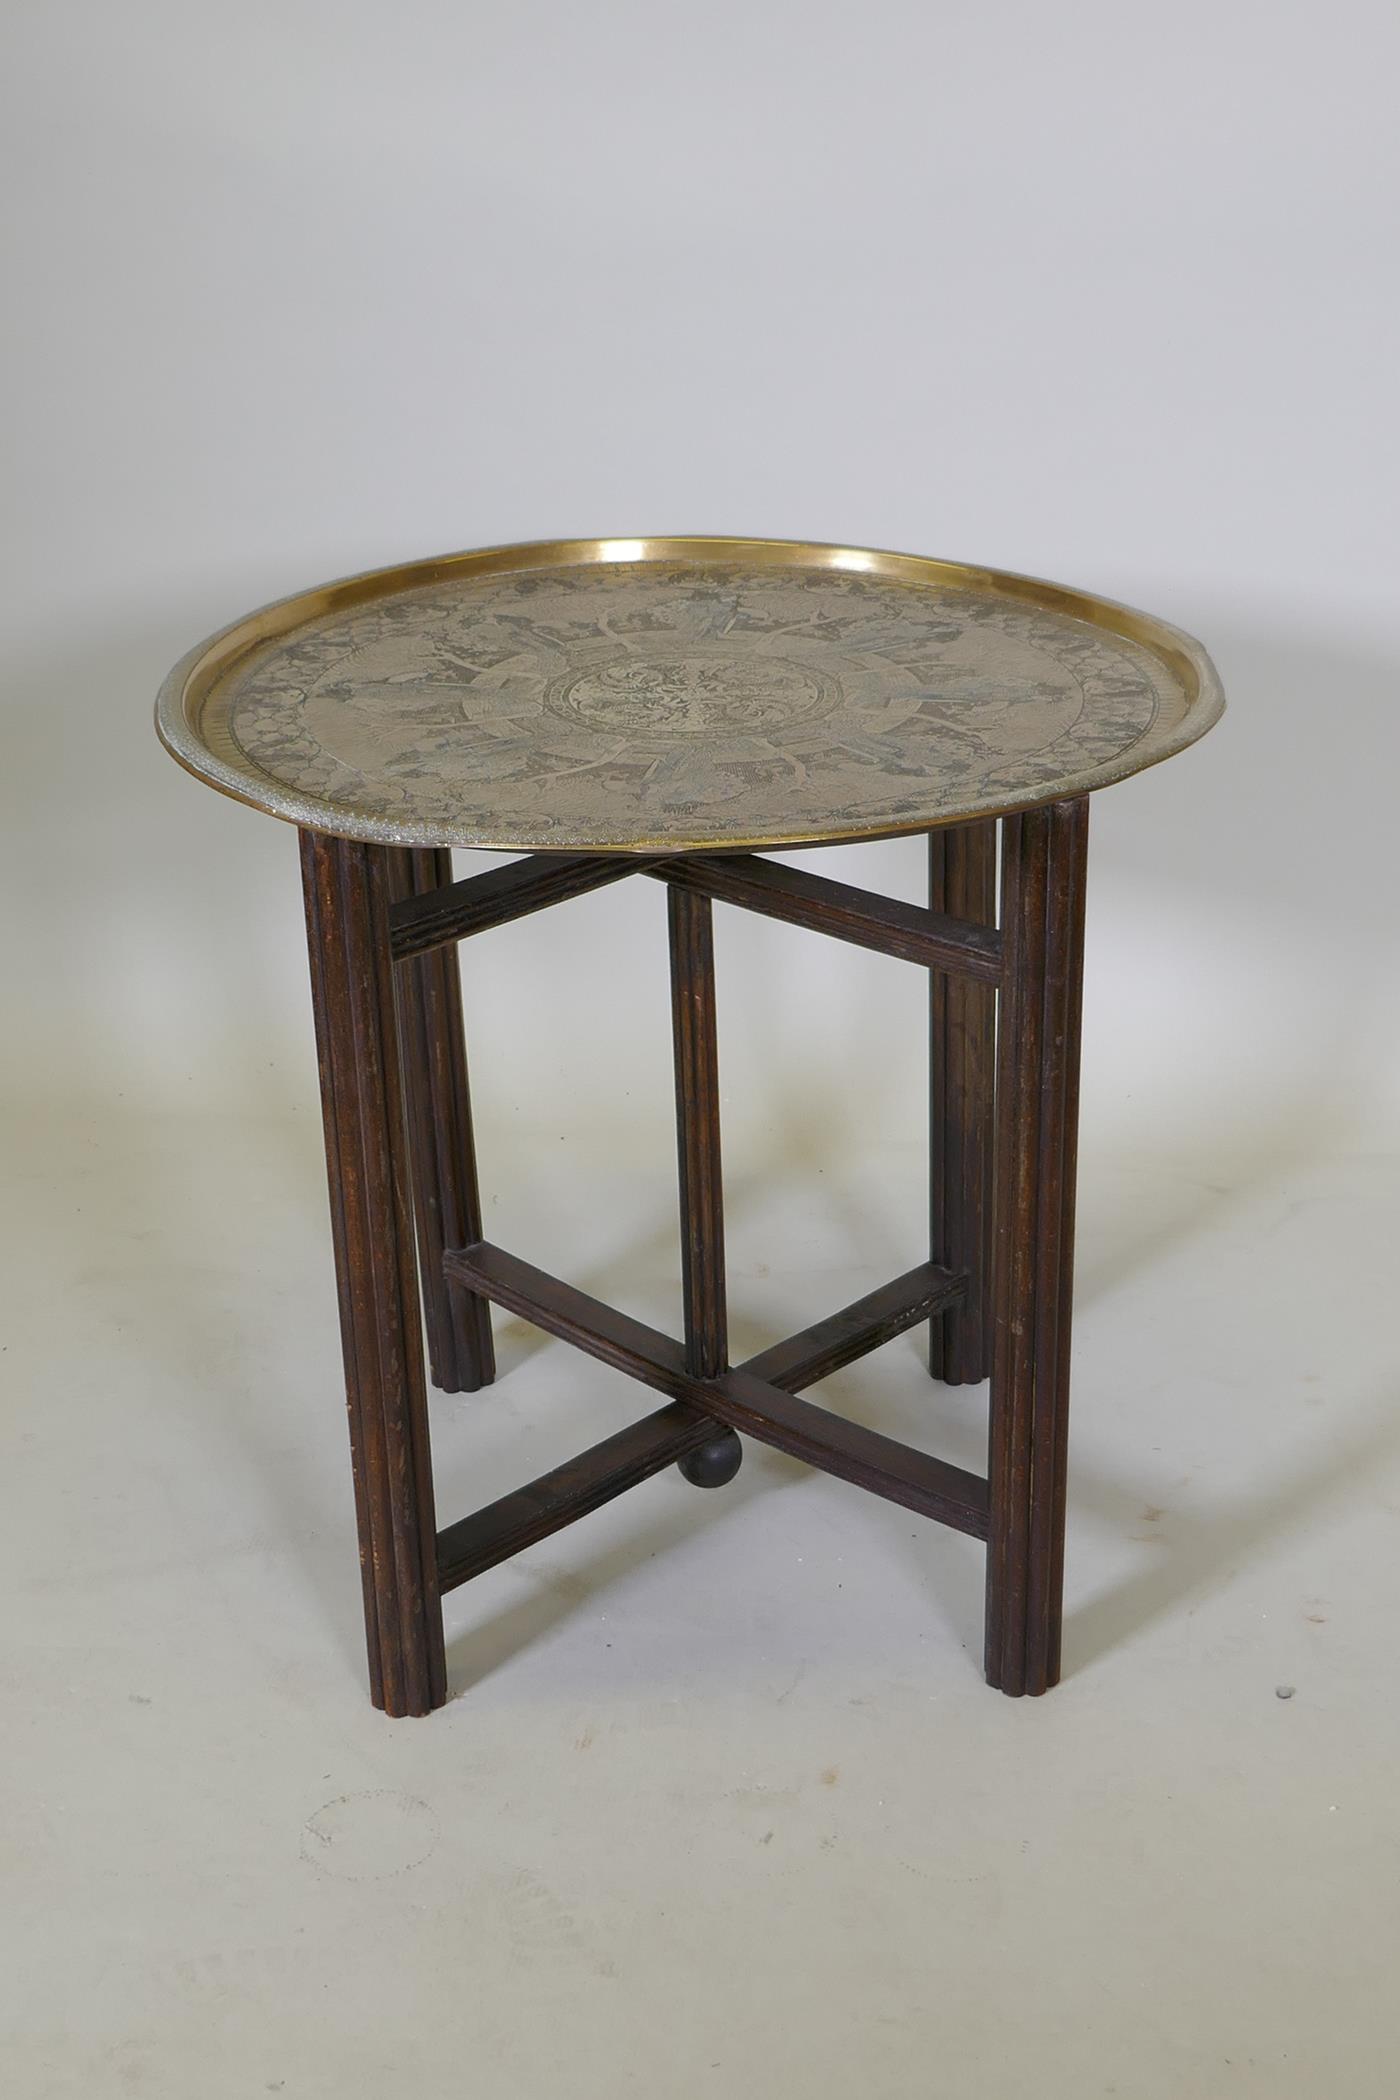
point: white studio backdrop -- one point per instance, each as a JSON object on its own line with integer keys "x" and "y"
{"x": 1103, "y": 292}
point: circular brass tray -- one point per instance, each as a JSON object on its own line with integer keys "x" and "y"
{"x": 677, "y": 695}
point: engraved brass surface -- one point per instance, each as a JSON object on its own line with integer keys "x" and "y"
{"x": 630, "y": 696}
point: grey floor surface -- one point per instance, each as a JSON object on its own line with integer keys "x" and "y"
{"x": 720, "y": 1803}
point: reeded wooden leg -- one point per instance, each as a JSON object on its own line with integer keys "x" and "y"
{"x": 1037, "y": 1113}
{"x": 446, "y": 1201}
{"x": 701, "y": 1185}
{"x": 962, "y": 1036}
{"x": 348, "y": 887}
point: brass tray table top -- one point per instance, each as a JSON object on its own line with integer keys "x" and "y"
{"x": 604, "y": 710}
{"x": 678, "y": 695}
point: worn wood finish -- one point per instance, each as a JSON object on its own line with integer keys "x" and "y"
{"x": 381, "y": 1122}
{"x": 847, "y": 1449}
{"x": 1043, "y": 868}
{"x": 695, "y": 1040}
{"x": 839, "y": 909}
{"x": 347, "y": 888}
{"x": 570, "y": 1491}
{"x": 479, "y": 902}
{"x": 446, "y": 1200}
{"x": 962, "y": 1053}
{"x": 938, "y": 939}
{"x": 858, "y": 1328}
{"x": 585, "y": 1483}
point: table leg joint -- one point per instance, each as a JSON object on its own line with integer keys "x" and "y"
{"x": 738, "y": 1398}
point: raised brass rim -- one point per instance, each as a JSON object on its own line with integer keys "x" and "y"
{"x": 187, "y": 692}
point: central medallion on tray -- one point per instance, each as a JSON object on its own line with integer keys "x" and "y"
{"x": 669, "y": 691}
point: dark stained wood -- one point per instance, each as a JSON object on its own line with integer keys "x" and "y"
{"x": 522, "y": 886}
{"x": 847, "y": 1449}
{"x": 839, "y": 909}
{"x": 1004, "y": 1104}
{"x": 347, "y": 888}
{"x": 570, "y": 1491}
{"x": 939, "y": 940}
{"x": 585, "y": 1483}
{"x": 1043, "y": 867}
{"x": 962, "y": 1058}
{"x": 858, "y": 1328}
{"x": 697, "y": 1132}
{"x": 447, "y": 1204}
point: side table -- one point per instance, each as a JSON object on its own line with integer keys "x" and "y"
{"x": 676, "y": 708}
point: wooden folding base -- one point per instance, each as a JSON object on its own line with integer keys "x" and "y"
{"x": 382, "y": 924}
